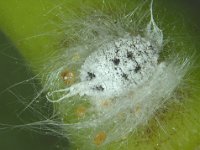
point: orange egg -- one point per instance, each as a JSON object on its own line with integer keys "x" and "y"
{"x": 100, "y": 138}
{"x": 68, "y": 77}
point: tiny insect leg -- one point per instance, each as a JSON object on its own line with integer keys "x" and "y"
{"x": 65, "y": 93}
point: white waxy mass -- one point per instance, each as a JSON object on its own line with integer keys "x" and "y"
{"x": 117, "y": 66}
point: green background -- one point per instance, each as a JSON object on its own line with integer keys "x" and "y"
{"x": 14, "y": 70}
{"x": 14, "y": 100}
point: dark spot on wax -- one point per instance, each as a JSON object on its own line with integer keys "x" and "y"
{"x": 129, "y": 55}
{"x": 99, "y": 88}
{"x": 91, "y": 75}
{"x": 137, "y": 69}
{"x": 116, "y": 61}
{"x": 125, "y": 76}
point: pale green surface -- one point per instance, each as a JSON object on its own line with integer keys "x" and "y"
{"x": 25, "y": 22}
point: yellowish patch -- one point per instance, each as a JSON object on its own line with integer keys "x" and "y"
{"x": 106, "y": 103}
{"x": 137, "y": 109}
{"x": 68, "y": 77}
{"x": 80, "y": 111}
{"x": 100, "y": 138}
{"x": 76, "y": 57}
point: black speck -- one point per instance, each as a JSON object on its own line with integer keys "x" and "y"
{"x": 95, "y": 32}
{"x": 91, "y": 75}
{"x": 99, "y": 88}
{"x": 129, "y": 55}
{"x": 130, "y": 70}
{"x": 116, "y": 61}
{"x": 146, "y": 53}
{"x": 151, "y": 47}
{"x": 138, "y": 68}
{"x": 125, "y": 76}
{"x": 117, "y": 50}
